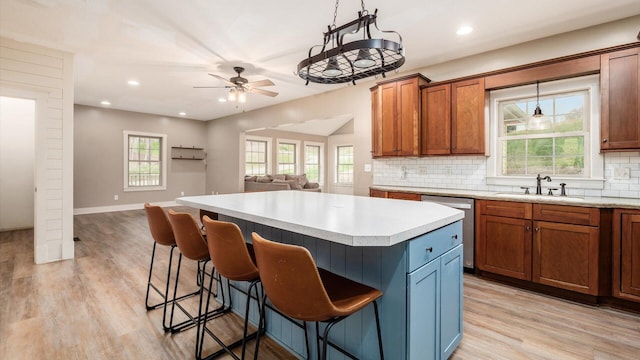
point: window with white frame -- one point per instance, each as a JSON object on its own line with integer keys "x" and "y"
{"x": 256, "y": 160}
{"x": 344, "y": 164}
{"x": 287, "y": 157}
{"x": 313, "y": 161}
{"x": 562, "y": 143}
{"x": 144, "y": 161}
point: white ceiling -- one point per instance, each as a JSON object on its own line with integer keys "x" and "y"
{"x": 169, "y": 46}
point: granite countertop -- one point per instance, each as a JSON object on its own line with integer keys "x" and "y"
{"x": 600, "y": 202}
{"x": 345, "y": 219}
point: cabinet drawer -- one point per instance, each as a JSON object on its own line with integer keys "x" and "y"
{"x": 567, "y": 214}
{"x": 504, "y": 208}
{"x": 404, "y": 196}
{"x": 427, "y": 247}
{"x": 377, "y": 193}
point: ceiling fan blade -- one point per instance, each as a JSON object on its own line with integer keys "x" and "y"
{"x": 264, "y": 92}
{"x": 213, "y": 87}
{"x": 223, "y": 79}
{"x": 260, "y": 83}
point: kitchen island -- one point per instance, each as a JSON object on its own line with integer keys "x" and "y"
{"x": 411, "y": 251}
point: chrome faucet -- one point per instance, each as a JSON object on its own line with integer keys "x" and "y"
{"x": 538, "y": 186}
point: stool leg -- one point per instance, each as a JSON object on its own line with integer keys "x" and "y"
{"x": 199, "y": 335}
{"x": 146, "y": 299}
{"x": 375, "y": 309}
{"x": 175, "y": 292}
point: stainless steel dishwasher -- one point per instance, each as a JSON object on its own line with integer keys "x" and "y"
{"x": 468, "y": 223}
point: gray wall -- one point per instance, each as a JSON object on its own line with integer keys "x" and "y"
{"x": 98, "y": 155}
{"x": 355, "y": 100}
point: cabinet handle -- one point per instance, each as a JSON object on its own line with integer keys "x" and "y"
{"x": 429, "y": 249}
{"x": 604, "y": 140}
{"x": 528, "y": 228}
{"x": 455, "y": 236}
{"x": 537, "y": 229}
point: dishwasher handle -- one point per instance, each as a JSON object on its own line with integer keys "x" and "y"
{"x": 455, "y": 205}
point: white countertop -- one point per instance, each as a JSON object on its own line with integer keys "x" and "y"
{"x": 345, "y": 219}
{"x": 589, "y": 201}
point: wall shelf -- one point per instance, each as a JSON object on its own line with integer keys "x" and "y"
{"x": 188, "y": 153}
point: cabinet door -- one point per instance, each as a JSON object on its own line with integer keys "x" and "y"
{"x": 467, "y": 117}
{"x": 620, "y": 90}
{"x": 503, "y": 246}
{"x": 630, "y": 254}
{"x": 408, "y": 116}
{"x": 435, "y": 136}
{"x": 423, "y": 312}
{"x": 376, "y": 123}
{"x": 566, "y": 256}
{"x": 451, "y": 301}
{"x": 389, "y": 131}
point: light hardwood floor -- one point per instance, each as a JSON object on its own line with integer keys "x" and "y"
{"x": 93, "y": 307}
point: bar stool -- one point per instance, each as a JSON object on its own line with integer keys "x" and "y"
{"x": 233, "y": 259}
{"x": 162, "y": 234}
{"x": 305, "y": 292}
{"x": 192, "y": 245}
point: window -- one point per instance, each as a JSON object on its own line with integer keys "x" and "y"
{"x": 313, "y": 158}
{"x": 344, "y": 173}
{"x": 287, "y": 157}
{"x": 553, "y": 144}
{"x": 144, "y": 165}
{"x": 255, "y": 157}
{"x": 558, "y": 144}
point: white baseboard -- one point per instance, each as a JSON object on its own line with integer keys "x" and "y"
{"x": 124, "y": 207}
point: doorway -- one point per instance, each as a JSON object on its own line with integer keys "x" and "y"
{"x": 17, "y": 162}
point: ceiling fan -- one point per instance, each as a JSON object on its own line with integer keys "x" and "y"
{"x": 239, "y": 86}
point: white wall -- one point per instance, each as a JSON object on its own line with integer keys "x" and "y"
{"x": 46, "y": 75}
{"x": 17, "y": 151}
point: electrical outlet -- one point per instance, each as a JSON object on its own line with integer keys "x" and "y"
{"x": 181, "y": 193}
{"x": 422, "y": 170}
{"x": 448, "y": 171}
{"x": 115, "y": 197}
{"x": 621, "y": 173}
{"x": 367, "y": 167}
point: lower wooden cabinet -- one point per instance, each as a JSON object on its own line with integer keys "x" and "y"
{"x": 626, "y": 254}
{"x": 395, "y": 195}
{"x": 555, "y": 245}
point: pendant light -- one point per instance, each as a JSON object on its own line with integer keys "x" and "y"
{"x": 342, "y": 59}
{"x": 538, "y": 121}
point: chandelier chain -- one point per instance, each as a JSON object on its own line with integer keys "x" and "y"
{"x": 335, "y": 15}
{"x": 362, "y": 4}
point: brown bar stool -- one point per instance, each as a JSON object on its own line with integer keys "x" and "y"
{"x": 162, "y": 234}
{"x": 192, "y": 245}
{"x": 234, "y": 259}
{"x": 305, "y": 292}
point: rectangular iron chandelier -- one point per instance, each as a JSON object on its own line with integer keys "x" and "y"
{"x": 339, "y": 62}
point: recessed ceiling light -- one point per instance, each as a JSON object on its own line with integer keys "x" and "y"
{"x": 182, "y": 113}
{"x": 464, "y": 30}
{"x": 222, "y": 100}
{"x": 105, "y": 102}
{"x": 133, "y": 82}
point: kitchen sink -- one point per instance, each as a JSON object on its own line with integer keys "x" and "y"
{"x": 539, "y": 198}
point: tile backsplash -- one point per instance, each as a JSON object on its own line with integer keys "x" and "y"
{"x": 469, "y": 173}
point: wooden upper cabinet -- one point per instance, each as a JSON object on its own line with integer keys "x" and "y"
{"x": 620, "y": 108}
{"x": 396, "y": 117}
{"x": 453, "y": 118}
{"x": 376, "y": 124}
{"x": 467, "y": 117}
{"x": 436, "y": 120}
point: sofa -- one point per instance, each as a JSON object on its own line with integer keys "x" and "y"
{"x": 279, "y": 182}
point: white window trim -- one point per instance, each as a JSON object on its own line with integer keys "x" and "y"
{"x": 163, "y": 161}
{"x": 269, "y": 155}
{"x": 321, "y": 159}
{"x": 595, "y": 171}
{"x": 279, "y": 141}
{"x": 335, "y": 179}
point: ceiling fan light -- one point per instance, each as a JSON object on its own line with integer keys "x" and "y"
{"x": 364, "y": 60}
{"x": 332, "y": 69}
{"x": 242, "y": 97}
{"x": 232, "y": 95}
